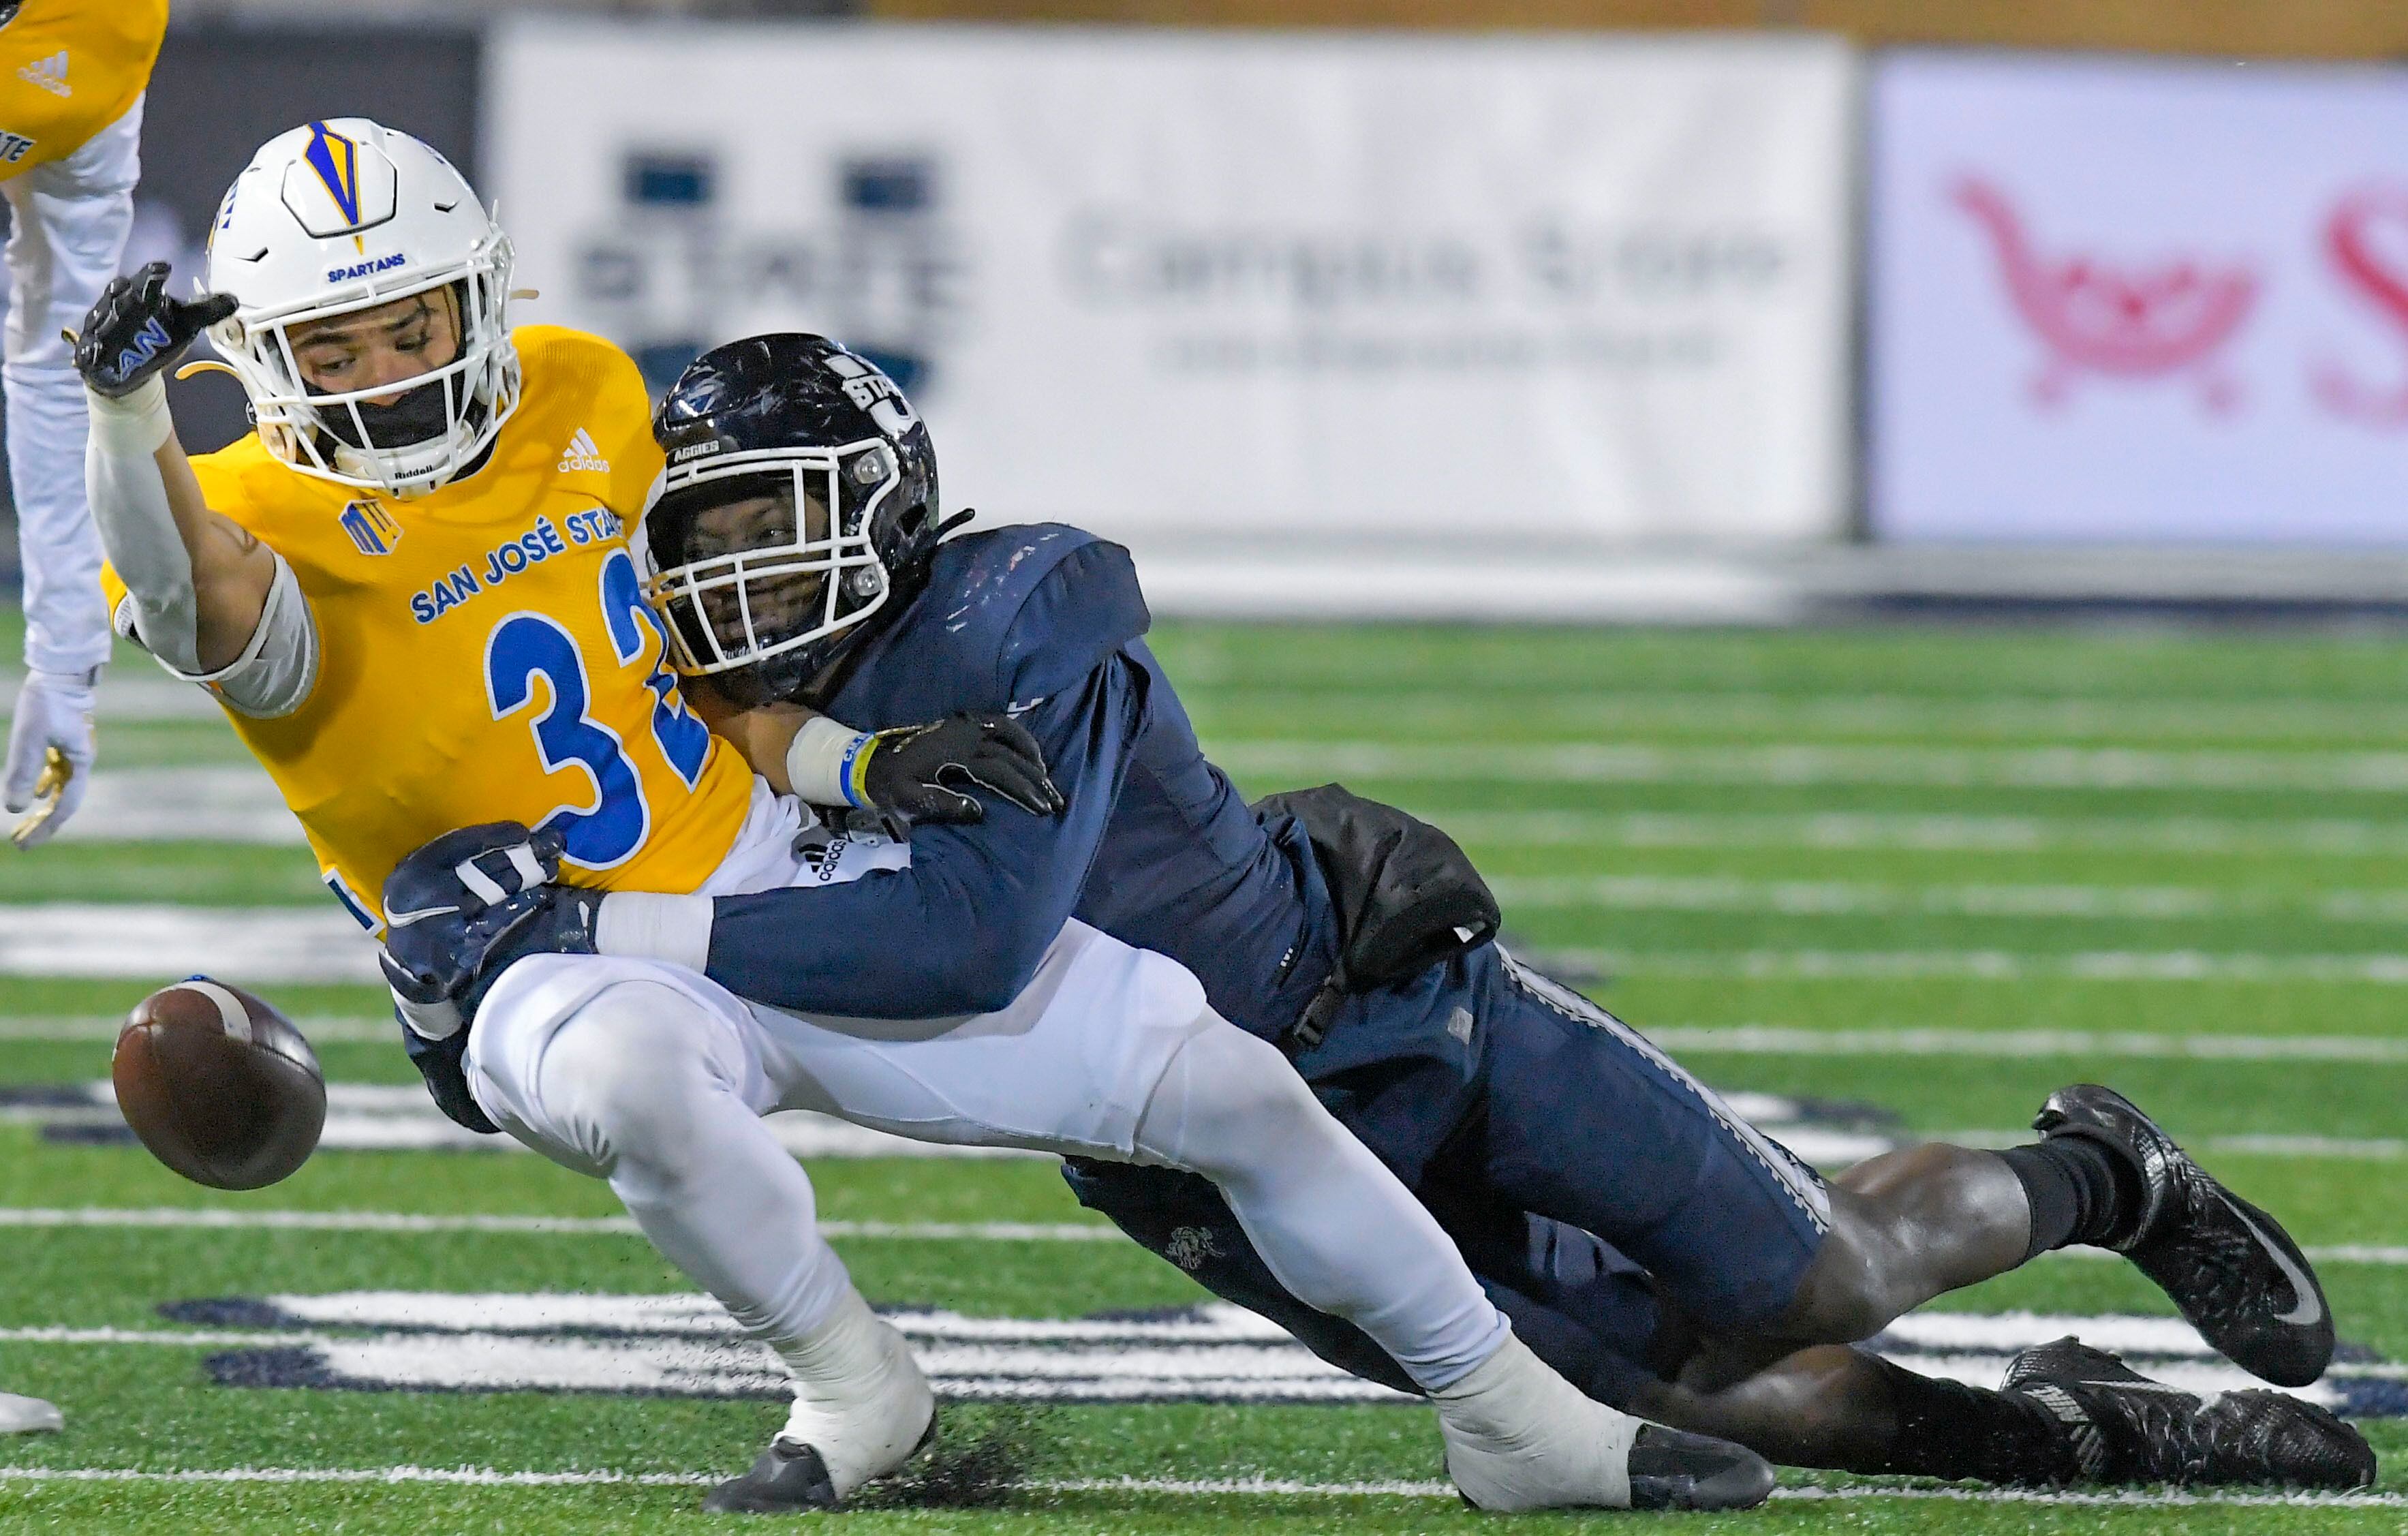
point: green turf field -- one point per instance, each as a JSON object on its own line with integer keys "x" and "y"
{"x": 1939, "y": 872}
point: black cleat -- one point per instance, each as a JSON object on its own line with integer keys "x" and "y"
{"x": 2123, "y": 1427}
{"x": 2231, "y": 1269}
{"x": 788, "y": 1479}
{"x": 785, "y": 1479}
{"x": 2279, "y": 1439}
{"x": 1670, "y": 1468}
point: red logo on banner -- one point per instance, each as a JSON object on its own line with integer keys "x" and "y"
{"x": 2125, "y": 323}
{"x": 2365, "y": 241}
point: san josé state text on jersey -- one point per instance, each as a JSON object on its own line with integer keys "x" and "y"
{"x": 539, "y": 543}
{"x": 485, "y": 650}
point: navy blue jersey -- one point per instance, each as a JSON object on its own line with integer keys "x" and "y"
{"x": 1157, "y": 847}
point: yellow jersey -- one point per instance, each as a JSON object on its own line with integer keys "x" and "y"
{"x": 486, "y": 651}
{"x": 69, "y": 70}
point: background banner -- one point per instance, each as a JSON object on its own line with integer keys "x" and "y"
{"x": 2139, "y": 301}
{"x": 1194, "y": 285}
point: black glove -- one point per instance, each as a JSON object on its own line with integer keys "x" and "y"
{"x": 137, "y": 330}
{"x": 459, "y": 909}
{"x": 440, "y": 1063}
{"x": 916, "y": 773}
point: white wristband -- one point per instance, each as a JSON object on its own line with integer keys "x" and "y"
{"x": 819, "y": 760}
{"x": 428, "y": 1021}
{"x": 647, "y": 926}
{"x": 137, "y": 423}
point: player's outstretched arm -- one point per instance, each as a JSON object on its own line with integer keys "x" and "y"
{"x": 200, "y": 582}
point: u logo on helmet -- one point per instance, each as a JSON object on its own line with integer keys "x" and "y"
{"x": 874, "y": 393}
{"x": 336, "y": 161}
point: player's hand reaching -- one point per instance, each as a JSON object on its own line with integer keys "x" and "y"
{"x": 138, "y": 328}
{"x": 924, "y": 773}
{"x": 49, "y": 754}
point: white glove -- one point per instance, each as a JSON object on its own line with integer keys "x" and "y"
{"x": 50, "y": 752}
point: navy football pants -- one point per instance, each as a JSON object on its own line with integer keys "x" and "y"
{"x": 1583, "y": 1174}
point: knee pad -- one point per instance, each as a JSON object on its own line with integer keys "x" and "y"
{"x": 1227, "y": 1100}
{"x": 628, "y": 1075}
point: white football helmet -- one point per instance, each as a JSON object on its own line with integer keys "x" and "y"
{"x": 344, "y": 215}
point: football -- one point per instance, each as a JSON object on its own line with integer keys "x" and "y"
{"x": 219, "y": 1085}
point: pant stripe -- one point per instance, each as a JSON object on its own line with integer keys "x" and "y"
{"x": 1802, "y": 1184}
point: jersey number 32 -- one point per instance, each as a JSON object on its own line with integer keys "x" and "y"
{"x": 615, "y": 819}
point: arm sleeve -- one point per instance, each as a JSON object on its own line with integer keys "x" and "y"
{"x": 129, "y": 505}
{"x": 963, "y": 929}
{"x": 160, "y": 611}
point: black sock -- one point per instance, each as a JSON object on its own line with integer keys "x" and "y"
{"x": 2079, "y": 1192}
{"x": 1949, "y": 1430}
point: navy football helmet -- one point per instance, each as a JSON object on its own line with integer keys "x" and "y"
{"x": 800, "y": 502}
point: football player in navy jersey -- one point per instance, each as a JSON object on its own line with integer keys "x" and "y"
{"x": 1644, "y": 1238}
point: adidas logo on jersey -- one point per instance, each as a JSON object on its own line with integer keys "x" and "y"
{"x": 50, "y": 74}
{"x": 582, "y": 454}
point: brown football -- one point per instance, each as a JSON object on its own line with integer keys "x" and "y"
{"x": 220, "y": 1086}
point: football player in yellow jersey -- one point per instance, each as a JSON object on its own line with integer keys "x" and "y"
{"x": 72, "y": 75}
{"x": 410, "y": 592}
{"x": 411, "y": 589}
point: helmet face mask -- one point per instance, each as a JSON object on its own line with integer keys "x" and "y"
{"x": 797, "y": 513}
{"x": 337, "y": 219}
{"x": 744, "y": 578}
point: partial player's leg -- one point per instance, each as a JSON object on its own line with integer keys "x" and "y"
{"x": 1111, "y": 1052}
{"x": 1583, "y": 1309}
{"x": 2064, "y": 1413}
{"x": 69, "y": 223}
{"x": 1335, "y": 1229}
{"x": 612, "y": 1068}
{"x": 1589, "y": 1123}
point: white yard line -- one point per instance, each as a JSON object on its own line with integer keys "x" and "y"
{"x": 263, "y": 945}
{"x": 270, "y": 945}
{"x": 1862, "y": 899}
{"x": 226, "y": 803}
{"x": 67, "y": 1027}
{"x": 1807, "y": 763}
{"x": 1190, "y": 1487}
{"x": 132, "y": 693}
{"x": 2386, "y": 969}
{"x": 1928, "y": 832}
{"x": 1780, "y": 1041}
{"x": 412, "y": 1222}
{"x": 395, "y": 1221}
{"x": 1578, "y": 709}
{"x": 236, "y": 803}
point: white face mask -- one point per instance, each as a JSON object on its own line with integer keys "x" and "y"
{"x": 758, "y": 582}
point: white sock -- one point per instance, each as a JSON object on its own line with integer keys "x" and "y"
{"x": 1520, "y": 1437}
{"x": 860, "y": 1398}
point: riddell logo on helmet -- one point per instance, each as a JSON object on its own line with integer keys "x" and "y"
{"x": 365, "y": 270}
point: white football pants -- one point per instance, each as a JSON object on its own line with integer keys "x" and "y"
{"x": 71, "y": 217}
{"x": 655, "y": 1078}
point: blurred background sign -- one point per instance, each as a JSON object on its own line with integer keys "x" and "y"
{"x": 1574, "y": 290}
{"x": 2138, "y": 301}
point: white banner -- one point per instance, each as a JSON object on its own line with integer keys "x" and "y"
{"x": 2126, "y": 300}
{"x": 1195, "y": 285}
